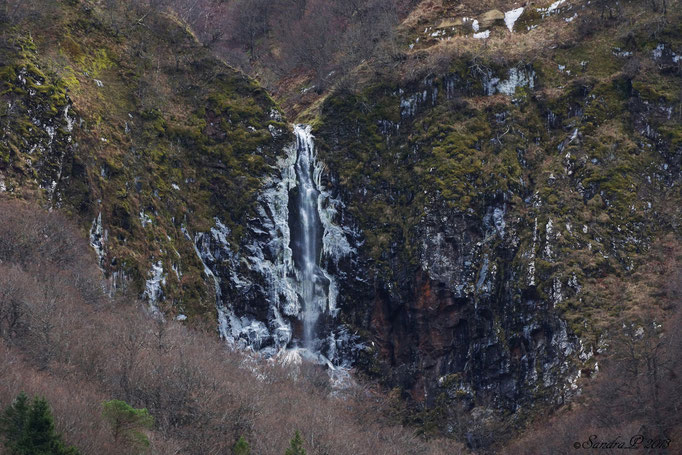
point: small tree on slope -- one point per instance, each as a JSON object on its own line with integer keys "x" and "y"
{"x": 241, "y": 447}
{"x": 296, "y": 445}
{"x": 128, "y": 424}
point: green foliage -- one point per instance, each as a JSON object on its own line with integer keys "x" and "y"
{"x": 296, "y": 445}
{"x": 241, "y": 447}
{"x": 28, "y": 429}
{"x": 128, "y": 423}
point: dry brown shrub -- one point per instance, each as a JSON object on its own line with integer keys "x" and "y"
{"x": 63, "y": 339}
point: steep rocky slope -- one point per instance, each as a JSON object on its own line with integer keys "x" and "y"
{"x": 509, "y": 190}
{"x": 132, "y": 125}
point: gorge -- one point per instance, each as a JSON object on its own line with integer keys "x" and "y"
{"x": 461, "y": 215}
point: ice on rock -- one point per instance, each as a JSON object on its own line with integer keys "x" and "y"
{"x": 549, "y": 230}
{"x": 516, "y": 78}
{"x": 265, "y": 263}
{"x": 153, "y": 287}
{"x": 98, "y": 237}
{"x": 498, "y": 220}
{"x": 334, "y": 238}
{"x": 202, "y": 249}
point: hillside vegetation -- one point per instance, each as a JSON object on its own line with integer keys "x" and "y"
{"x": 62, "y": 338}
{"x": 122, "y": 118}
{"x": 509, "y": 174}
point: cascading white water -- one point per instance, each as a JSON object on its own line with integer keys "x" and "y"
{"x": 289, "y": 260}
{"x": 307, "y": 248}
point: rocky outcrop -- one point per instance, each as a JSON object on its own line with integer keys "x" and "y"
{"x": 478, "y": 283}
{"x": 491, "y": 18}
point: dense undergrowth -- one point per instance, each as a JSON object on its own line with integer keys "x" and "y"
{"x": 63, "y": 338}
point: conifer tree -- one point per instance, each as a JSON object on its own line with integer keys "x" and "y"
{"x": 13, "y": 422}
{"x": 296, "y": 445}
{"x": 241, "y": 447}
{"x": 29, "y": 429}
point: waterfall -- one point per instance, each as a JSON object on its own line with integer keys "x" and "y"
{"x": 277, "y": 292}
{"x": 307, "y": 239}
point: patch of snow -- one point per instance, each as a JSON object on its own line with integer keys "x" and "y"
{"x": 145, "y": 219}
{"x": 619, "y": 53}
{"x": 551, "y": 8}
{"x": 274, "y": 131}
{"x": 175, "y": 186}
{"x": 99, "y": 83}
{"x": 482, "y": 35}
{"x": 181, "y": 317}
{"x": 474, "y": 23}
{"x": 510, "y": 17}
{"x": 275, "y": 115}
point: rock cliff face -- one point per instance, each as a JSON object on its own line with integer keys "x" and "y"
{"x": 162, "y": 170}
{"x": 491, "y": 212}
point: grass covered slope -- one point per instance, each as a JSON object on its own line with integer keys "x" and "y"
{"x": 120, "y": 112}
